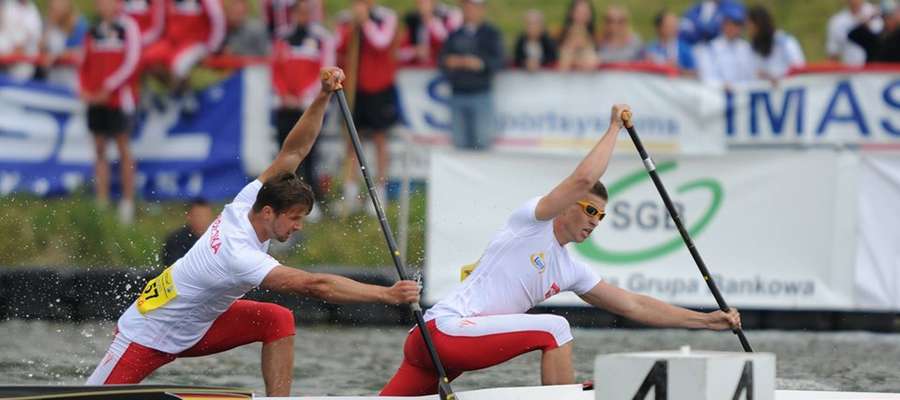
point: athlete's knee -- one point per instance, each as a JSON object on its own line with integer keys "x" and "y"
{"x": 560, "y": 329}
{"x": 280, "y": 322}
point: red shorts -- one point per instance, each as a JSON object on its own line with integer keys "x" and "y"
{"x": 178, "y": 57}
{"x": 243, "y": 323}
{"x": 468, "y": 344}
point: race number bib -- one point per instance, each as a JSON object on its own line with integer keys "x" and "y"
{"x": 157, "y": 293}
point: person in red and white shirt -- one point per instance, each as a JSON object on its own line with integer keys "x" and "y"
{"x": 297, "y": 57}
{"x": 366, "y": 48}
{"x": 484, "y": 322}
{"x": 279, "y": 19}
{"x": 194, "y": 308}
{"x": 427, "y": 27}
{"x": 150, "y": 16}
{"x": 112, "y": 54}
{"x": 193, "y": 30}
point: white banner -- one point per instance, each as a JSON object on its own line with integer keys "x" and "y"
{"x": 878, "y": 259}
{"x": 548, "y": 110}
{"x": 765, "y": 223}
{"x": 551, "y": 110}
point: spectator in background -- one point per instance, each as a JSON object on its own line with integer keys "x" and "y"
{"x": 886, "y": 46}
{"x": 728, "y": 59}
{"x": 470, "y": 59}
{"x": 194, "y": 29}
{"x": 111, "y": 56}
{"x": 427, "y": 27}
{"x": 669, "y": 49}
{"x": 199, "y": 216}
{"x": 366, "y": 52}
{"x": 62, "y": 43}
{"x": 278, "y": 15}
{"x": 297, "y": 60}
{"x": 150, "y": 16}
{"x": 534, "y": 47}
{"x": 577, "y": 49}
{"x": 618, "y": 42}
{"x": 20, "y": 36}
{"x": 838, "y": 45}
{"x": 775, "y": 51}
{"x": 244, "y": 36}
{"x": 703, "y": 22}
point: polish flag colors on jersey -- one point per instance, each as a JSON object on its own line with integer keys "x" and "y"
{"x": 112, "y": 54}
{"x": 431, "y": 34}
{"x": 150, "y": 16}
{"x": 377, "y": 63}
{"x": 195, "y": 21}
{"x": 297, "y": 59}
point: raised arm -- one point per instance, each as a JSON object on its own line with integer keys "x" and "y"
{"x": 304, "y": 133}
{"x": 338, "y": 289}
{"x": 653, "y": 312}
{"x": 591, "y": 168}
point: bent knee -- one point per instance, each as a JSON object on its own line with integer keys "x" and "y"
{"x": 280, "y": 323}
{"x": 560, "y": 329}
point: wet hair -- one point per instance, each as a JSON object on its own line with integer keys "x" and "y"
{"x": 764, "y": 39}
{"x": 283, "y": 192}
{"x": 599, "y": 190}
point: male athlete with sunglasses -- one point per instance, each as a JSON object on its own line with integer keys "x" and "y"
{"x": 484, "y": 321}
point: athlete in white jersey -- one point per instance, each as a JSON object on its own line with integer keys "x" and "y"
{"x": 194, "y": 308}
{"x": 483, "y": 322}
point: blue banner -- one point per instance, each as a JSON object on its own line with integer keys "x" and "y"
{"x": 45, "y": 148}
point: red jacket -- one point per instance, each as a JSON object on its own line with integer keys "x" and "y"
{"x": 377, "y": 61}
{"x": 297, "y": 59}
{"x": 195, "y": 21}
{"x": 150, "y": 16}
{"x": 112, "y": 51}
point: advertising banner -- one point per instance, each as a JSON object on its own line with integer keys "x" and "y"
{"x": 45, "y": 148}
{"x": 765, "y": 223}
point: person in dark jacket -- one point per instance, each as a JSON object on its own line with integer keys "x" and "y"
{"x": 884, "y": 47}
{"x": 470, "y": 58}
{"x": 534, "y": 48}
{"x": 197, "y": 219}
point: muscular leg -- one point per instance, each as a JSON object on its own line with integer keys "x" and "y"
{"x": 556, "y": 366}
{"x": 250, "y": 321}
{"x": 278, "y": 366}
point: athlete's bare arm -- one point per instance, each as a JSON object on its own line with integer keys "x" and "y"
{"x": 652, "y": 312}
{"x": 591, "y": 168}
{"x": 304, "y": 133}
{"x": 337, "y": 289}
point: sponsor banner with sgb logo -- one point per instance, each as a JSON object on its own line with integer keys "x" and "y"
{"x": 776, "y": 229}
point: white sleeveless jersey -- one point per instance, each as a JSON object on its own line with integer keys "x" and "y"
{"x": 521, "y": 267}
{"x": 224, "y": 264}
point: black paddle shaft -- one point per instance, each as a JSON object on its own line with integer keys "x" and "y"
{"x": 651, "y": 169}
{"x": 444, "y": 390}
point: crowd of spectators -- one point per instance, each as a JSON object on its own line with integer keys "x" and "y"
{"x": 722, "y": 42}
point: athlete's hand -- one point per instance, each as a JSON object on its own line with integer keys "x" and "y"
{"x": 403, "y": 292}
{"x": 615, "y": 116}
{"x": 332, "y": 79}
{"x": 721, "y": 321}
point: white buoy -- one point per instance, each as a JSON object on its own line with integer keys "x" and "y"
{"x": 685, "y": 374}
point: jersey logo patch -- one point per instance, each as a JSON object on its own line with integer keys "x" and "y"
{"x": 554, "y": 290}
{"x": 537, "y": 260}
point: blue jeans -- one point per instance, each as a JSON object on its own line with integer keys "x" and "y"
{"x": 472, "y": 120}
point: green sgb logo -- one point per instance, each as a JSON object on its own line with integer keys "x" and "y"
{"x": 596, "y": 252}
